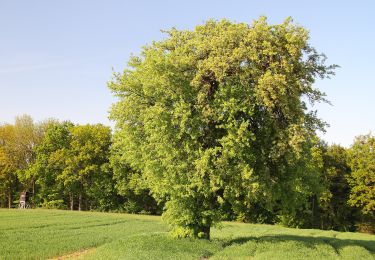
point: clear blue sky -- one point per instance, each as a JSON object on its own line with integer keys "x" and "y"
{"x": 56, "y": 56}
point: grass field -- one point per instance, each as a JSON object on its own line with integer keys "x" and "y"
{"x": 44, "y": 234}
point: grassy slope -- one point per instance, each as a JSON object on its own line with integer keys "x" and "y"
{"x": 40, "y": 234}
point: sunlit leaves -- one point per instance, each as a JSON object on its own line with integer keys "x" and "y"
{"x": 215, "y": 116}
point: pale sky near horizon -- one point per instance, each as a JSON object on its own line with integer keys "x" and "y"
{"x": 57, "y": 56}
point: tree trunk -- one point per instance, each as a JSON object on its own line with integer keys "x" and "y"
{"x": 207, "y": 232}
{"x": 9, "y": 198}
{"x": 33, "y": 192}
{"x": 80, "y": 202}
{"x": 71, "y": 201}
{"x": 4, "y": 202}
{"x": 312, "y": 212}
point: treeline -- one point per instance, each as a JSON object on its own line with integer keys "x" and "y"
{"x": 66, "y": 166}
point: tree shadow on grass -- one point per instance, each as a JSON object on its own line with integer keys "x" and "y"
{"x": 308, "y": 241}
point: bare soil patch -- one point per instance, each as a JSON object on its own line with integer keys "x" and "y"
{"x": 74, "y": 255}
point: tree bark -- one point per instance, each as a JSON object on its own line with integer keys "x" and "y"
{"x": 80, "y": 202}
{"x": 71, "y": 201}
{"x": 4, "y": 202}
{"x": 207, "y": 232}
{"x": 9, "y": 198}
{"x": 33, "y": 191}
{"x": 312, "y": 212}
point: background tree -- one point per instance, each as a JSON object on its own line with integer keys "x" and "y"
{"x": 362, "y": 179}
{"x": 18, "y": 149}
{"x": 49, "y": 164}
{"x": 216, "y": 116}
{"x": 27, "y": 136}
{"x": 8, "y": 178}
{"x": 86, "y": 170}
{"x": 335, "y": 212}
{"x": 72, "y": 167}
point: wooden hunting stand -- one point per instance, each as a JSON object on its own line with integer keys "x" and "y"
{"x": 22, "y": 204}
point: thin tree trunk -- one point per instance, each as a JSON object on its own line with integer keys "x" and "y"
{"x": 9, "y": 198}
{"x": 80, "y": 202}
{"x": 206, "y": 230}
{"x": 33, "y": 191}
{"x": 312, "y": 213}
{"x": 4, "y": 202}
{"x": 71, "y": 201}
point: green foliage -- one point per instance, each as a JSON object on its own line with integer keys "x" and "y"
{"x": 130, "y": 185}
{"x": 7, "y": 165}
{"x": 27, "y": 137}
{"x": 73, "y": 163}
{"x": 17, "y": 153}
{"x": 216, "y": 116}
{"x": 49, "y": 163}
{"x": 86, "y": 166}
{"x": 54, "y": 204}
{"x": 362, "y": 179}
{"x": 336, "y": 213}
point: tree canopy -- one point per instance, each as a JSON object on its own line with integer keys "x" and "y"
{"x": 362, "y": 179}
{"x": 218, "y": 115}
{"x": 73, "y": 161}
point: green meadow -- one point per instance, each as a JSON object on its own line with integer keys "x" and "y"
{"x": 46, "y": 234}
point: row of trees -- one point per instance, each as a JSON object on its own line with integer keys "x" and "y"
{"x": 79, "y": 167}
{"x": 61, "y": 165}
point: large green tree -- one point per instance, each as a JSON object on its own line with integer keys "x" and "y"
{"x": 218, "y": 116}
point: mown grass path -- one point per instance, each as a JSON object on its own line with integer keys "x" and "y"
{"x": 44, "y": 234}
